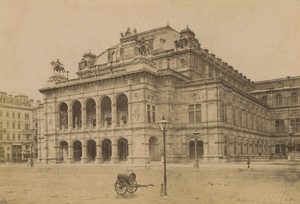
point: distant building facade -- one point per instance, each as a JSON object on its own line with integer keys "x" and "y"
{"x": 282, "y": 97}
{"x": 109, "y": 113}
{"x": 18, "y": 127}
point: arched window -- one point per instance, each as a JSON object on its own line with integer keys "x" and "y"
{"x": 91, "y": 113}
{"x": 106, "y": 111}
{"x": 154, "y": 149}
{"x": 122, "y": 109}
{"x": 122, "y": 149}
{"x": 106, "y": 150}
{"x": 63, "y": 116}
{"x": 77, "y": 114}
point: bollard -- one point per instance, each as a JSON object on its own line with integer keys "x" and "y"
{"x": 248, "y": 162}
{"x": 162, "y": 190}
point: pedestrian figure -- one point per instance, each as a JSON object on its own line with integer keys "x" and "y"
{"x": 31, "y": 162}
{"x": 28, "y": 162}
{"x": 248, "y": 162}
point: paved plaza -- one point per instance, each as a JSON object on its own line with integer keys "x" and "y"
{"x": 211, "y": 183}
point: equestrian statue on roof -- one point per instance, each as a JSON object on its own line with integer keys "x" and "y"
{"x": 57, "y": 67}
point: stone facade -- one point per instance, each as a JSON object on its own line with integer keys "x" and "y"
{"x": 18, "y": 127}
{"x": 109, "y": 113}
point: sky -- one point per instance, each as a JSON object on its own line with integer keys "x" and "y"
{"x": 259, "y": 38}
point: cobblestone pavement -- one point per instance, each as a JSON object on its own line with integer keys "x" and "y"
{"x": 211, "y": 183}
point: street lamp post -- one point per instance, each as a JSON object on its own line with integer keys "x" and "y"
{"x": 163, "y": 126}
{"x": 196, "y": 135}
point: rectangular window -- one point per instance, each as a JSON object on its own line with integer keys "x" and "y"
{"x": 27, "y": 137}
{"x": 19, "y": 126}
{"x": 14, "y": 137}
{"x": 7, "y": 125}
{"x": 27, "y": 126}
{"x": 148, "y": 114}
{"x": 295, "y": 123}
{"x": 225, "y": 113}
{"x": 19, "y": 115}
{"x": 153, "y": 114}
{"x": 13, "y": 126}
{"x": 233, "y": 116}
{"x": 1, "y": 136}
{"x": 279, "y": 126}
{"x": 195, "y": 113}
{"x": 7, "y": 114}
{"x": 26, "y": 116}
{"x": 7, "y": 136}
{"x": 19, "y": 137}
{"x": 0, "y": 113}
{"x": 1, "y": 125}
{"x": 240, "y": 118}
{"x": 13, "y": 115}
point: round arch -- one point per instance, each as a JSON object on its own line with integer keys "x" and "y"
{"x": 63, "y": 115}
{"x": 106, "y": 110}
{"x": 106, "y": 150}
{"x": 90, "y": 105}
{"x": 154, "y": 151}
{"x": 77, "y": 150}
{"x": 91, "y": 150}
{"x": 63, "y": 151}
{"x": 76, "y": 113}
{"x": 122, "y": 109}
{"x": 199, "y": 148}
{"x": 122, "y": 149}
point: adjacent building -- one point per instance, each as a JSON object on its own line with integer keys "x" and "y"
{"x": 18, "y": 127}
{"x": 109, "y": 113}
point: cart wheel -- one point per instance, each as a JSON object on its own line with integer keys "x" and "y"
{"x": 121, "y": 187}
{"x": 132, "y": 187}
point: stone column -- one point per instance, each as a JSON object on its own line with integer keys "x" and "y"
{"x": 130, "y": 153}
{"x": 70, "y": 152}
{"x": 98, "y": 117}
{"x": 114, "y": 153}
{"x": 113, "y": 115}
{"x": 70, "y": 119}
{"x": 84, "y": 153}
{"x": 99, "y": 153}
{"x": 146, "y": 151}
{"x": 83, "y": 119}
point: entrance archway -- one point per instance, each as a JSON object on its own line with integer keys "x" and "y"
{"x": 77, "y": 150}
{"x": 153, "y": 149}
{"x": 122, "y": 149}
{"x": 91, "y": 150}
{"x": 63, "y": 151}
{"x": 106, "y": 150}
{"x": 200, "y": 149}
{"x": 1, "y": 154}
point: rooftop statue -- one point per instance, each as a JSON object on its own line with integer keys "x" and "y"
{"x": 57, "y": 67}
{"x": 142, "y": 47}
